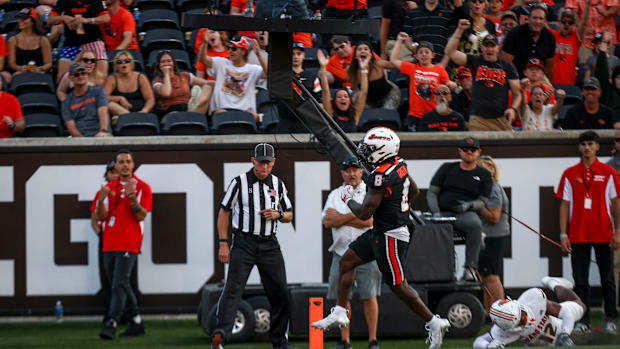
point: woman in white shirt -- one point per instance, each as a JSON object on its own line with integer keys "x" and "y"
{"x": 538, "y": 116}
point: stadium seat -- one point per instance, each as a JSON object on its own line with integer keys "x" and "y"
{"x": 42, "y": 125}
{"x": 137, "y": 58}
{"x": 158, "y": 19}
{"x": 192, "y": 42}
{"x": 144, "y": 5}
{"x": 311, "y": 59}
{"x": 38, "y": 102}
{"x": 163, "y": 39}
{"x": 180, "y": 56}
{"x": 262, "y": 96}
{"x": 137, "y": 124}
{"x": 186, "y": 123}
{"x": 233, "y": 122}
{"x": 16, "y": 5}
{"x": 32, "y": 82}
{"x": 400, "y": 79}
{"x": 187, "y": 5}
{"x": 379, "y": 117}
{"x": 9, "y": 22}
{"x": 573, "y": 93}
{"x": 270, "y": 120}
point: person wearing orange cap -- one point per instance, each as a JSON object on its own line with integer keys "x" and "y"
{"x": 29, "y": 49}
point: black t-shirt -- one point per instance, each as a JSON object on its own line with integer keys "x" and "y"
{"x": 395, "y": 11}
{"x": 460, "y": 103}
{"x": 86, "y": 8}
{"x": 520, "y": 44}
{"x": 434, "y": 122}
{"x": 577, "y": 118}
{"x": 458, "y": 185}
{"x": 489, "y": 95}
{"x": 433, "y": 26}
{"x": 393, "y": 211}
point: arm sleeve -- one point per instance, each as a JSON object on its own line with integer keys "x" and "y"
{"x": 329, "y": 203}
{"x": 431, "y": 199}
{"x": 4, "y": 51}
{"x": 102, "y": 98}
{"x": 146, "y": 197}
{"x": 495, "y": 199}
{"x": 439, "y": 176}
{"x": 612, "y": 187}
{"x": 569, "y": 121}
{"x": 509, "y": 44}
{"x": 230, "y": 198}
{"x": 93, "y": 205}
{"x": 407, "y": 68}
{"x": 511, "y": 71}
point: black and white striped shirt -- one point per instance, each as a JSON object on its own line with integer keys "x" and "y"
{"x": 246, "y": 196}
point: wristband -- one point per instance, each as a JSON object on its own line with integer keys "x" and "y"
{"x": 92, "y": 20}
{"x": 364, "y": 71}
{"x": 563, "y": 235}
{"x": 224, "y": 240}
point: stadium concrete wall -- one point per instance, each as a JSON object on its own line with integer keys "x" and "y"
{"x": 48, "y": 250}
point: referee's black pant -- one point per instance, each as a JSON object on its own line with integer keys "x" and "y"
{"x": 246, "y": 252}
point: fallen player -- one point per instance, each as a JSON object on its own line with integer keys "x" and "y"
{"x": 533, "y": 319}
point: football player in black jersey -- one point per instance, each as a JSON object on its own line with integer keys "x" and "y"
{"x": 390, "y": 190}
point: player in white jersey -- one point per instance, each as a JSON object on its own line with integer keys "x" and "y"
{"x": 533, "y": 319}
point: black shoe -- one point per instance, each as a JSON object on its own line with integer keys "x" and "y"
{"x": 134, "y": 330}
{"x": 373, "y": 345}
{"x": 109, "y": 330}
{"x": 563, "y": 340}
{"x": 342, "y": 345}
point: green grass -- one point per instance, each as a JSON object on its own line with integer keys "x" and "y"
{"x": 187, "y": 334}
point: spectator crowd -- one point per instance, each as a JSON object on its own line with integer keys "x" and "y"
{"x": 123, "y": 67}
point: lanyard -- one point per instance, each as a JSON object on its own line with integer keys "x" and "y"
{"x": 587, "y": 184}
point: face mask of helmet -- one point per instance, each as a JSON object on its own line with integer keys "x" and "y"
{"x": 379, "y": 144}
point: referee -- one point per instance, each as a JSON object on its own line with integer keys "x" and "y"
{"x": 257, "y": 200}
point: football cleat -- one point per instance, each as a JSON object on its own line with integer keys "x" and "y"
{"x": 337, "y": 318}
{"x": 551, "y": 282}
{"x": 436, "y": 328}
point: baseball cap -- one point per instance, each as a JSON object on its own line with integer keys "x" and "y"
{"x": 426, "y": 44}
{"x": 567, "y": 13}
{"x": 108, "y": 167}
{"x": 27, "y": 12}
{"x": 346, "y": 163}
{"x": 75, "y": 67}
{"x": 469, "y": 142}
{"x": 509, "y": 14}
{"x": 490, "y": 39}
{"x": 240, "y": 41}
{"x": 535, "y": 62}
{"x": 264, "y": 152}
{"x": 592, "y": 82}
{"x": 463, "y": 72}
{"x": 598, "y": 37}
{"x": 298, "y": 45}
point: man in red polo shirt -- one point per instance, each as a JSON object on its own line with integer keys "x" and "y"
{"x": 589, "y": 192}
{"x": 123, "y": 205}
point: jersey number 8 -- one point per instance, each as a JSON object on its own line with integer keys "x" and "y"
{"x": 404, "y": 203}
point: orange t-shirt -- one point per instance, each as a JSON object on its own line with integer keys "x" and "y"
{"x": 565, "y": 59}
{"x": 422, "y": 84}
{"x": 597, "y": 23}
{"x": 210, "y": 53}
{"x": 240, "y": 4}
{"x": 9, "y": 107}
{"x": 4, "y": 51}
{"x": 346, "y": 4}
{"x": 338, "y": 66}
{"x": 120, "y": 22}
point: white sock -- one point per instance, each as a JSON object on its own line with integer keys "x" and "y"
{"x": 339, "y": 309}
{"x": 137, "y": 319}
{"x": 553, "y": 283}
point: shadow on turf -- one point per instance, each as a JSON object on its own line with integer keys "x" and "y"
{"x": 597, "y": 337}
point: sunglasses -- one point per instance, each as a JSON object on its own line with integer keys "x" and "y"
{"x": 477, "y": 1}
{"x": 89, "y": 60}
{"x": 567, "y": 22}
{"x": 123, "y": 61}
{"x": 469, "y": 149}
{"x": 80, "y": 73}
{"x": 443, "y": 93}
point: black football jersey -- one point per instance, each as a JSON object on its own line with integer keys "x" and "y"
{"x": 393, "y": 211}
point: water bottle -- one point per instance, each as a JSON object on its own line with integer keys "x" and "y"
{"x": 46, "y": 15}
{"x": 136, "y": 14}
{"x": 1, "y": 15}
{"x": 59, "y": 311}
{"x": 317, "y": 15}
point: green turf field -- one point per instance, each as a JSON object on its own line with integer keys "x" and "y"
{"x": 187, "y": 334}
